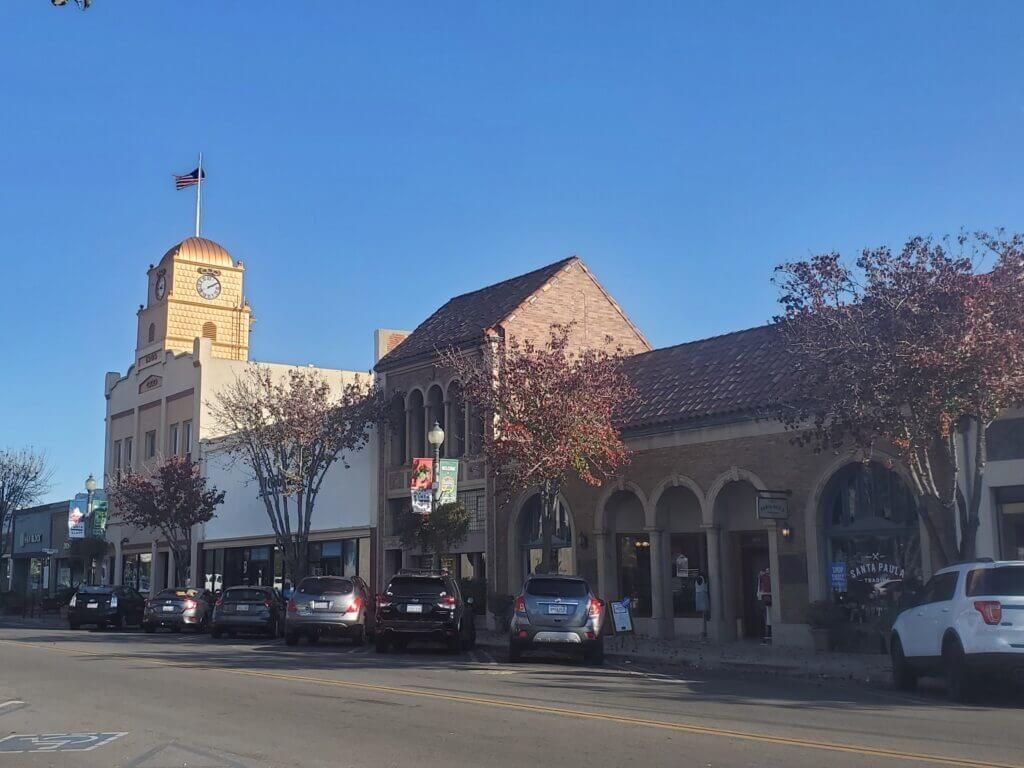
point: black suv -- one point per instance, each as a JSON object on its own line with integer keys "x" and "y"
{"x": 424, "y": 605}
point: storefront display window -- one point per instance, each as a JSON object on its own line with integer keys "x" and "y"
{"x": 689, "y": 574}
{"x": 1010, "y": 503}
{"x": 635, "y": 571}
{"x": 531, "y": 537}
{"x": 136, "y": 571}
{"x": 872, "y": 539}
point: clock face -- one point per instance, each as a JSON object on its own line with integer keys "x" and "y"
{"x": 208, "y": 286}
{"x": 161, "y": 287}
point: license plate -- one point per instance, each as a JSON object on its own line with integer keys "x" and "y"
{"x": 168, "y": 609}
{"x": 321, "y": 604}
{"x": 241, "y": 607}
{"x": 558, "y": 610}
{"x": 414, "y": 609}
{"x": 92, "y": 605}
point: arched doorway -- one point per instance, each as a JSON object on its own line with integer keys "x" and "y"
{"x": 746, "y": 560}
{"x": 631, "y": 548}
{"x": 530, "y": 538}
{"x": 871, "y": 538}
{"x": 678, "y": 519}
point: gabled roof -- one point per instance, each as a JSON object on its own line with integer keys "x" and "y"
{"x": 737, "y": 373}
{"x": 466, "y": 318}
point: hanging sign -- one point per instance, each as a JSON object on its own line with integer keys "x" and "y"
{"x": 422, "y": 478}
{"x": 622, "y": 618}
{"x": 772, "y": 505}
{"x": 99, "y": 517}
{"x": 422, "y": 502}
{"x": 76, "y": 519}
{"x": 447, "y": 481}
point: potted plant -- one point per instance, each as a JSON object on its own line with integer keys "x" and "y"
{"x": 825, "y": 617}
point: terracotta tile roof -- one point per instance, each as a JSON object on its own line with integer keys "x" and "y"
{"x": 465, "y": 318}
{"x": 738, "y": 373}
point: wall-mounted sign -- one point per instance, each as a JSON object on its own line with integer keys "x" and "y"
{"x": 837, "y": 577}
{"x": 31, "y": 538}
{"x": 772, "y": 505}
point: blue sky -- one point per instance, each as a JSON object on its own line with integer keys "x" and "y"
{"x": 368, "y": 160}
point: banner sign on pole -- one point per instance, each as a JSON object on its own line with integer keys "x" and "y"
{"x": 422, "y": 502}
{"x": 99, "y": 517}
{"x": 422, "y": 478}
{"x": 76, "y": 518}
{"x": 447, "y": 481}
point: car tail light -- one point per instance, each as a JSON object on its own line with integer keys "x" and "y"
{"x": 520, "y": 606}
{"x": 991, "y": 610}
{"x": 73, "y": 601}
{"x": 190, "y": 604}
{"x": 219, "y": 603}
{"x": 595, "y": 608}
{"x": 355, "y": 606}
{"x": 267, "y": 603}
{"x": 446, "y": 601}
{"x": 292, "y": 607}
{"x": 383, "y": 601}
{"x": 523, "y": 634}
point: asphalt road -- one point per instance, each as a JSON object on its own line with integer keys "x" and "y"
{"x": 179, "y": 700}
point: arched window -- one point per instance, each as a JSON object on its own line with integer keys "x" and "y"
{"x": 151, "y": 336}
{"x": 531, "y": 538}
{"x": 210, "y": 331}
{"x": 417, "y": 438}
{"x": 872, "y": 541}
{"x": 456, "y": 438}
{"x": 398, "y": 436}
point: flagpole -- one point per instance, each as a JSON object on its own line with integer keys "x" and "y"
{"x": 199, "y": 192}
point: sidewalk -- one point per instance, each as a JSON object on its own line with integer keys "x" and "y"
{"x": 736, "y": 656}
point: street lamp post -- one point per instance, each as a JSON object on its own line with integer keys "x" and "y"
{"x": 90, "y": 488}
{"x": 436, "y": 437}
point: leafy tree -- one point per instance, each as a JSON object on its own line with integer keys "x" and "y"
{"x": 439, "y": 532}
{"x": 24, "y": 478}
{"x": 288, "y": 432}
{"x": 552, "y": 410}
{"x": 83, "y": 4}
{"x": 172, "y": 499}
{"x": 916, "y": 349}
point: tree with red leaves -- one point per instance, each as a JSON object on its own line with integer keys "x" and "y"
{"x": 550, "y": 414}
{"x": 173, "y": 499}
{"x": 918, "y": 350}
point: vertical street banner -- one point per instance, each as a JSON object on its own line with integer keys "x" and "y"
{"x": 447, "y": 481}
{"x": 421, "y": 485}
{"x": 99, "y": 517}
{"x": 76, "y": 518}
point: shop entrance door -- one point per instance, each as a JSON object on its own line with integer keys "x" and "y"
{"x": 754, "y": 559}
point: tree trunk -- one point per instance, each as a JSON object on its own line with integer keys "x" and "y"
{"x": 940, "y": 523}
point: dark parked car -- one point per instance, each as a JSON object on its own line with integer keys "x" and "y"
{"x": 242, "y": 610}
{"x": 424, "y": 606}
{"x": 557, "y": 612}
{"x": 178, "y": 608}
{"x": 105, "y": 606}
{"x": 330, "y": 606}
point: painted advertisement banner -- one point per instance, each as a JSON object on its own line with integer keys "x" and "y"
{"x": 447, "y": 481}
{"x": 76, "y": 518}
{"x": 422, "y": 478}
{"x": 422, "y": 502}
{"x": 99, "y": 517}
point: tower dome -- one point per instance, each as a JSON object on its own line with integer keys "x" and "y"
{"x": 201, "y": 250}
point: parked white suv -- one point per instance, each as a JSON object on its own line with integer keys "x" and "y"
{"x": 968, "y": 620}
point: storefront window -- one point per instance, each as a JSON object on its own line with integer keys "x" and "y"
{"x": 1011, "y": 522}
{"x": 531, "y": 538}
{"x": 689, "y": 574}
{"x": 136, "y": 571}
{"x": 872, "y": 538}
{"x": 635, "y": 571}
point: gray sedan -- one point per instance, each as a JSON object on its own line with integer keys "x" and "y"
{"x": 331, "y": 606}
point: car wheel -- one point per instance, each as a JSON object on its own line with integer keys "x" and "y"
{"x": 359, "y": 637}
{"x": 149, "y": 629}
{"x": 903, "y": 676}
{"x": 958, "y": 680}
{"x": 381, "y": 643}
{"x": 515, "y": 653}
{"x": 595, "y": 655}
{"x": 291, "y": 638}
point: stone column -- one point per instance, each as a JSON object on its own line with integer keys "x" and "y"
{"x": 658, "y": 590}
{"x": 716, "y": 626}
{"x": 408, "y": 436}
{"x": 446, "y": 446}
{"x": 604, "y": 587}
{"x": 773, "y": 565}
{"x": 118, "y": 564}
{"x": 171, "y": 577}
{"x": 153, "y": 563}
{"x": 195, "y": 577}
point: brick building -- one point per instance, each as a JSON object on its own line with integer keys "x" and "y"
{"x": 678, "y": 532}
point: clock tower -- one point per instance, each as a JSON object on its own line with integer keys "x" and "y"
{"x": 194, "y": 292}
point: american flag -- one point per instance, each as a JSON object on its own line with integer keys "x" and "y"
{"x": 188, "y": 180}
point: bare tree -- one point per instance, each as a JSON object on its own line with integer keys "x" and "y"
{"x": 24, "y": 478}
{"x": 288, "y": 432}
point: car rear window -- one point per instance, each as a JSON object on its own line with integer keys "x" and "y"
{"x": 326, "y": 587}
{"x": 407, "y": 585}
{"x": 556, "y": 588}
{"x": 1006, "y": 580}
{"x": 165, "y": 593}
{"x": 84, "y": 590}
{"x": 246, "y": 594}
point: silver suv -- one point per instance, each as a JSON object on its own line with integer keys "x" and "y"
{"x": 338, "y": 606}
{"x": 557, "y": 612}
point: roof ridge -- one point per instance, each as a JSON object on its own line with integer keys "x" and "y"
{"x": 559, "y": 264}
{"x": 701, "y": 341}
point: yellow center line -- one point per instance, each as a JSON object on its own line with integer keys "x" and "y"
{"x": 692, "y": 728}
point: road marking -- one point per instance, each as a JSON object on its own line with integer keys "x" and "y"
{"x": 678, "y": 727}
{"x": 11, "y": 702}
{"x": 56, "y": 742}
